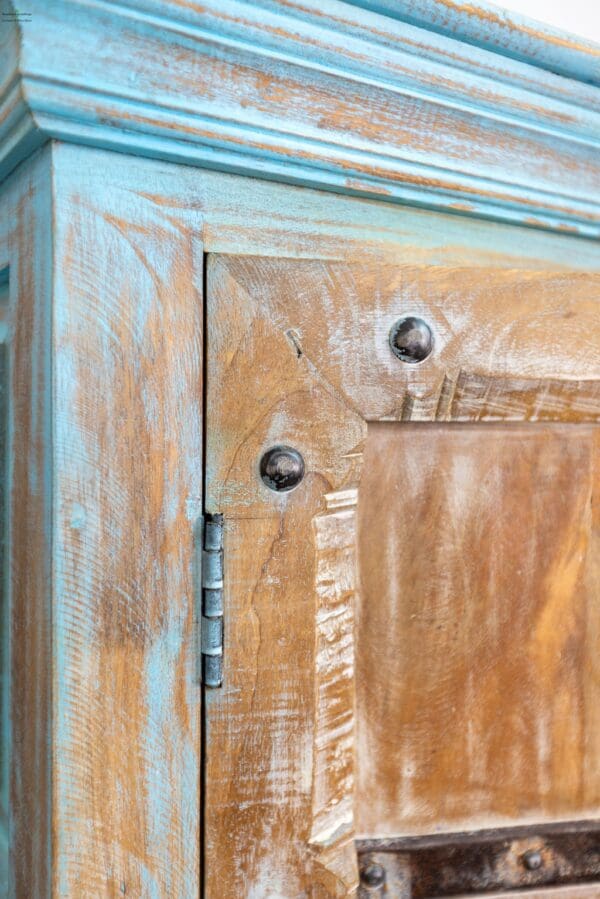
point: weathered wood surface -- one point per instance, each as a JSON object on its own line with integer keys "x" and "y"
{"x": 311, "y": 337}
{"x": 98, "y": 192}
{"x": 491, "y": 26}
{"x": 589, "y": 891}
{"x": 337, "y": 97}
{"x": 533, "y": 856}
{"x": 280, "y": 767}
{"x": 502, "y": 338}
{"x": 477, "y": 663}
{"x": 249, "y": 216}
{"x": 25, "y": 248}
{"x": 127, "y": 484}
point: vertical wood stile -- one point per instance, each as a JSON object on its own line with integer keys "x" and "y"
{"x": 127, "y": 496}
{"x": 333, "y": 821}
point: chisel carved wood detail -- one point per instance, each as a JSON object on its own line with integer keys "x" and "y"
{"x": 462, "y": 489}
{"x": 299, "y": 583}
{"x": 333, "y": 832}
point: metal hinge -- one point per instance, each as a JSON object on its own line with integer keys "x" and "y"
{"x": 211, "y": 641}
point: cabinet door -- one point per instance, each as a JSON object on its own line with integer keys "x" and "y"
{"x": 407, "y": 462}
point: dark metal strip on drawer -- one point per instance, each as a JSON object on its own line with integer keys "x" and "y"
{"x": 481, "y": 862}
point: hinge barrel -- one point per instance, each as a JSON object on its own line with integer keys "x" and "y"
{"x": 211, "y": 638}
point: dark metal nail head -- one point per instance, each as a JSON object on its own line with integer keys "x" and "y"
{"x": 411, "y": 339}
{"x": 281, "y": 468}
{"x": 373, "y": 875}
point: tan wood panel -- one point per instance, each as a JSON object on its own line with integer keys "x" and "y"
{"x": 504, "y": 347}
{"x": 298, "y": 354}
{"x": 280, "y": 732}
{"x": 477, "y": 663}
{"x": 282, "y": 745}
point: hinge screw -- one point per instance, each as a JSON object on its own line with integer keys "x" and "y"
{"x": 533, "y": 860}
{"x": 411, "y": 339}
{"x": 281, "y": 468}
{"x": 373, "y": 875}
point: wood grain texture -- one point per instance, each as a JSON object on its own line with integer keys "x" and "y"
{"x": 342, "y": 98}
{"x": 250, "y": 216}
{"x": 229, "y": 214}
{"x": 280, "y": 734}
{"x": 478, "y": 626}
{"x": 489, "y": 330}
{"x": 25, "y": 246}
{"x": 573, "y": 892}
{"x": 127, "y": 337}
{"x": 311, "y": 337}
{"x": 268, "y": 795}
{"x": 332, "y": 835}
{"x": 97, "y": 194}
{"x": 485, "y": 861}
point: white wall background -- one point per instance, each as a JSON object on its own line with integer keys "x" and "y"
{"x": 578, "y": 16}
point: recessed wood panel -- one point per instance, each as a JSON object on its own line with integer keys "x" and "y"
{"x": 478, "y": 626}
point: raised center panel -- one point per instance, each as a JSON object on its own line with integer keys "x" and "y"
{"x": 478, "y": 626}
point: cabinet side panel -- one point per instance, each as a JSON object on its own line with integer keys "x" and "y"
{"x": 128, "y": 461}
{"x": 5, "y": 729}
{"x": 26, "y": 265}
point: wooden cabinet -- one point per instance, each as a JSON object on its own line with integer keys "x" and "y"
{"x": 299, "y": 401}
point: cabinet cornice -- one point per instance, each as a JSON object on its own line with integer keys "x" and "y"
{"x": 461, "y": 113}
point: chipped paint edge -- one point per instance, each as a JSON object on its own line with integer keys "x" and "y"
{"x": 42, "y": 98}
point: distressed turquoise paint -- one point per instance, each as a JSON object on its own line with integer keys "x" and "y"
{"x": 36, "y": 253}
{"x": 26, "y": 245}
{"x": 5, "y": 618}
{"x": 502, "y": 31}
{"x": 160, "y": 674}
{"x": 233, "y": 214}
{"x": 120, "y": 250}
{"x": 462, "y": 110}
{"x": 236, "y": 214}
{"x": 70, "y": 451}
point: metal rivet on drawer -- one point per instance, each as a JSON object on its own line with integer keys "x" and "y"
{"x": 281, "y": 468}
{"x": 411, "y": 339}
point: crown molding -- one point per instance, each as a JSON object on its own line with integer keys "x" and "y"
{"x": 501, "y": 31}
{"x": 324, "y": 93}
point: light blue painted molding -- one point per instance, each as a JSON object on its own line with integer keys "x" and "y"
{"x": 501, "y": 31}
{"x": 460, "y": 111}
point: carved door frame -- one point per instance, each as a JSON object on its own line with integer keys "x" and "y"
{"x": 298, "y": 354}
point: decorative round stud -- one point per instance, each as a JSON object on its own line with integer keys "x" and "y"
{"x": 373, "y": 875}
{"x": 281, "y": 468}
{"x": 532, "y": 860}
{"x": 411, "y": 339}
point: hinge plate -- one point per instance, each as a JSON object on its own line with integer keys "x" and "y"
{"x": 211, "y": 634}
